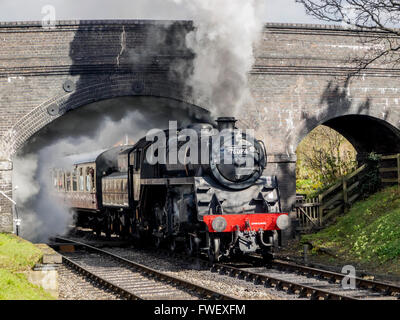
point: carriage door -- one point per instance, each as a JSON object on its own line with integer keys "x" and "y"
{"x": 136, "y": 174}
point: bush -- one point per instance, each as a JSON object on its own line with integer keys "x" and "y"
{"x": 323, "y": 157}
{"x": 370, "y": 181}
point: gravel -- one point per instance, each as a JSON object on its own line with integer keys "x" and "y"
{"x": 202, "y": 276}
{"x": 73, "y": 286}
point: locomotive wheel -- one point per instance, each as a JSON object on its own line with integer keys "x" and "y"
{"x": 190, "y": 247}
{"x": 172, "y": 245}
{"x": 157, "y": 242}
{"x": 214, "y": 250}
{"x": 116, "y": 225}
{"x": 98, "y": 226}
{"x": 108, "y": 225}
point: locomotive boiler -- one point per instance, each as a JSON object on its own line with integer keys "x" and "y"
{"x": 199, "y": 188}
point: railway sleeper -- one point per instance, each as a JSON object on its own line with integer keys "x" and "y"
{"x": 303, "y": 292}
{"x": 290, "y": 289}
{"x": 268, "y": 283}
{"x": 332, "y": 280}
{"x": 257, "y": 280}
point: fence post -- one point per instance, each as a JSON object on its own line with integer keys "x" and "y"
{"x": 320, "y": 210}
{"x": 345, "y": 195}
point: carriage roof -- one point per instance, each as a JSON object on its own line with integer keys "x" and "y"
{"x": 87, "y": 157}
{"x": 93, "y": 156}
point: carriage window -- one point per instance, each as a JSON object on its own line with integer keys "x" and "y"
{"x": 81, "y": 181}
{"x": 68, "y": 178}
{"x": 60, "y": 179}
{"x": 54, "y": 179}
{"x": 74, "y": 180}
{"x": 89, "y": 179}
{"x": 63, "y": 180}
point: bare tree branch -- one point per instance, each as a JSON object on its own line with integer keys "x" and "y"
{"x": 381, "y": 16}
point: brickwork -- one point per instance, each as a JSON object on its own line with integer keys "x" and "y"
{"x": 298, "y": 82}
{"x": 6, "y": 218}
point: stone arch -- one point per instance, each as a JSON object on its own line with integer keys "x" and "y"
{"x": 114, "y": 87}
{"x": 367, "y": 133}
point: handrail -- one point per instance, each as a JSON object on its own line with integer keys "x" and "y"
{"x": 331, "y": 189}
{"x": 357, "y": 171}
{"x": 345, "y": 178}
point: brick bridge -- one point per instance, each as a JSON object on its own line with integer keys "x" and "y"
{"x": 298, "y": 81}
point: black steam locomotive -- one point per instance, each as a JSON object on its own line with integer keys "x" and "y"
{"x": 214, "y": 200}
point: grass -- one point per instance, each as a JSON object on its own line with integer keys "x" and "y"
{"x": 17, "y": 256}
{"x": 308, "y": 187}
{"x": 15, "y": 286}
{"x": 369, "y": 233}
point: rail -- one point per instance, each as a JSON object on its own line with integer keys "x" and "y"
{"x": 150, "y": 273}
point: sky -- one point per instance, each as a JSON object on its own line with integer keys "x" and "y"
{"x": 287, "y": 11}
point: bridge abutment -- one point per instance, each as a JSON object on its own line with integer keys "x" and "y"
{"x": 6, "y": 207}
{"x": 284, "y": 168}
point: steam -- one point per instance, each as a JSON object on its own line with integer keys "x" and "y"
{"x": 223, "y": 41}
{"x": 42, "y": 214}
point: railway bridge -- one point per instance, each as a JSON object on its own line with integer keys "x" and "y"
{"x": 299, "y": 81}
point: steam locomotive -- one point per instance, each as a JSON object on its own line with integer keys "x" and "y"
{"x": 215, "y": 200}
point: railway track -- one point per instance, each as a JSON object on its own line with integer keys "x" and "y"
{"x": 310, "y": 283}
{"x": 301, "y": 281}
{"x": 382, "y": 288}
{"x": 131, "y": 280}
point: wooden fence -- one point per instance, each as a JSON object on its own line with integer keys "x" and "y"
{"x": 315, "y": 213}
{"x": 389, "y": 169}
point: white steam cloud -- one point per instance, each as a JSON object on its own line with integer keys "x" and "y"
{"x": 98, "y": 126}
{"x": 41, "y": 212}
{"x": 42, "y": 216}
{"x": 223, "y": 41}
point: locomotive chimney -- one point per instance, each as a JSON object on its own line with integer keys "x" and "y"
{"x": 226, "y": 123}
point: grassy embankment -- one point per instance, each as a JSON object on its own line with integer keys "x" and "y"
{"x": 17, "y": 256}
{"x": 368, "y": 234}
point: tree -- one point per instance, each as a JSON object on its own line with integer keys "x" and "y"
{"x": 325, "y": 156}
{"x": 380, "y": 16}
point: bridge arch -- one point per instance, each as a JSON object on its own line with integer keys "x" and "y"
{"x": 117, "y": 87}
{"x": 365, "y": 132}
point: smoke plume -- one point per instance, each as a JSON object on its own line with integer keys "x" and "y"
{"x": 42, "y": 214}
{"x": 223, "y": 41}
{"x": 224, "y": 35}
